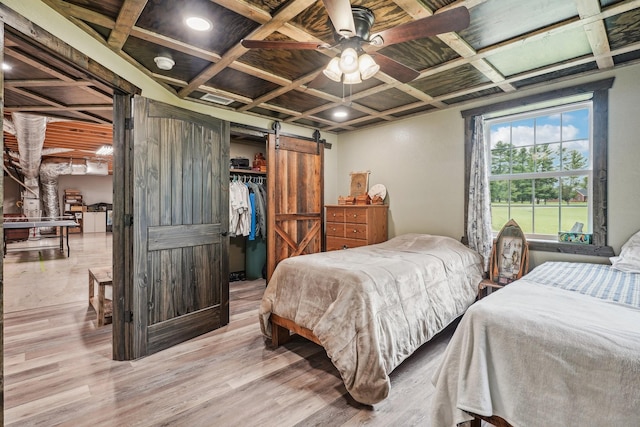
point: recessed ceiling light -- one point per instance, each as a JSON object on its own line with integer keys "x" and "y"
{"x": 198, "y": 24}
{"x": 340, "y": 114}
{"x": 6, "y": 66}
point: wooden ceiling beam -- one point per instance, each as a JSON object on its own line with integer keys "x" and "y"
{"x": 418, "y": 10}
{"x": 596, "y": 32}
{"x": 42, "y": 66}
{"x": 204, "y": 54}
{"x": 46, "y": 83}
{"x": 204, "y": 88}
{"x": 284, "y": 89}
{"x": 38, "y": 64}
{"x": 248, "y": 10}
{"x": 129, "y": 13}
{"x": 68, "y": 9}
{"x": 289, "y": 11}
{"x": 57, "y": 105}
{"x": 45, "y": 108}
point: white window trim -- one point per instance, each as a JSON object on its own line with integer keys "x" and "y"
{"x": 564, "y": 105}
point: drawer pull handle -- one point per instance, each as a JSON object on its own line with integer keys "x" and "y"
{"x": 333, "y": 229}
{"x": 334, "y": 215}
{"x": 355, "y": 215}
{"x": 355, "y": 231}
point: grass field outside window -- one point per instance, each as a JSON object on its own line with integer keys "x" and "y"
{"x": 546, "y": 217}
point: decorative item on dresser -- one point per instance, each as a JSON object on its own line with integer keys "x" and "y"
{"x": 354, "y": 226}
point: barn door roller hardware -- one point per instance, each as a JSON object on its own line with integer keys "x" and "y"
{"x": 276, "y": 128}
{"x": 316, "y": 137}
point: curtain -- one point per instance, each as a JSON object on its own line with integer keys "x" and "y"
{"x": 479, "y": 215}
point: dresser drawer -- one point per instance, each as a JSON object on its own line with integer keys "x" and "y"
{"x": 335, "y": 214}
{"x": 355, "y": 215}
{"x": 335, "y": 229}
{"x": 349, "y": 226}
{"x": 337, "y": 243}
{"x": 355, "y": 231}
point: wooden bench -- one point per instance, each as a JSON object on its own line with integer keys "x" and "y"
{"x": 102, "y": 305}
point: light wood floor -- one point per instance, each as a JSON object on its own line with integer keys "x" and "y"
{"x": 58, "y": 371}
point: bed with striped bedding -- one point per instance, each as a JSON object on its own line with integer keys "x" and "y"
{"x": 596, "y": 280}
{"x": 559, "y": 347}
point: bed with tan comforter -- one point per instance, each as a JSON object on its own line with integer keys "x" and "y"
{"x": 372, "y": 307}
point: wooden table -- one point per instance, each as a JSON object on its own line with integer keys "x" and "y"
{"x": 102, "y": 305}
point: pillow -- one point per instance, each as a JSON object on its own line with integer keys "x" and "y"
{"x": 629, "y": 258}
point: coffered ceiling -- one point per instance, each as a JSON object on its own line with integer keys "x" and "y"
{"x": 509, "y": 45}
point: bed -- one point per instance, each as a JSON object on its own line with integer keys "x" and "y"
{"x": 559, "y": 347}
{"x": 371, "y": 307}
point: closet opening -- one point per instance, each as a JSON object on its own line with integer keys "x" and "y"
{"x": 247, "y": 197}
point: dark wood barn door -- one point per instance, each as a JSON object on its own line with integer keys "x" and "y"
{"x": 180, "y": 219}
{"x": 295, "y": 198}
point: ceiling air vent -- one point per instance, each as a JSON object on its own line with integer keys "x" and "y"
{"x": 216, "y": 99}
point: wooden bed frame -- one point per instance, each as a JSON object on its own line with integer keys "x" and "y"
{"x": 281, "y": 329}
{"x": 493, "y": 420}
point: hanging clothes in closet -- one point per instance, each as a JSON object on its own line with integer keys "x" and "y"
{"x": 247, "y": 206}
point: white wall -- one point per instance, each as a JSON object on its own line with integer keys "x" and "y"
{"x": 94, "y": 188}
{"x": 421, "y": 162}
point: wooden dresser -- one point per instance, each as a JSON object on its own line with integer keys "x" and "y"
{"x": 350, "y": 226}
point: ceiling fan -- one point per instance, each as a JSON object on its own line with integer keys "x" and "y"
{"x": 351, "y": 26}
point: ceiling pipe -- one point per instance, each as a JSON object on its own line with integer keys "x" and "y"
{"x": 49, "y": 173}
{"x": 30, "y": 133}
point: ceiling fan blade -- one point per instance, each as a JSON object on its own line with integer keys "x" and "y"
{"x": 452, "y": 20}
{"x": 393, "y": 68}
{"x": 267, "y": 44}
{"x": 341, "y": 16}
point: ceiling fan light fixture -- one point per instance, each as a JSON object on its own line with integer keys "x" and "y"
{"x": 349, "y": 60}
{"x": 368, "y": 67}
{"x": 333, "y": 70}
{"x": 164, "y": 63}
{"x": 352, "y": 78}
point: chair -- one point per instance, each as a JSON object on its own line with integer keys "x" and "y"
{"x": 509, "y": 258}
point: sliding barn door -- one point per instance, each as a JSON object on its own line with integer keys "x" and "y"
{"x": 180, "y": 220}
{"x": 295, "y": 198}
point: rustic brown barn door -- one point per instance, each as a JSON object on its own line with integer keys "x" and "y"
{"x": 180, "y": 220}
{"x": 295, "y": 198}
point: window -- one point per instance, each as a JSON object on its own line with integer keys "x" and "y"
{"x": 540, "y": 170}
{"x": 571, "y": 164}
